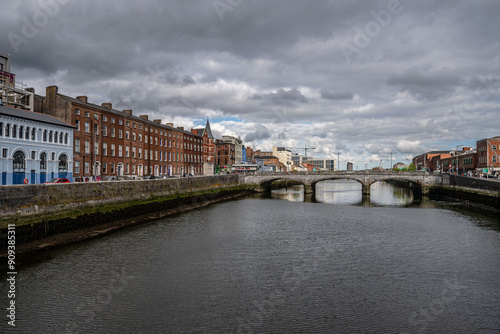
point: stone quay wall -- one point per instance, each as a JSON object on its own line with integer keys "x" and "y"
{"x": 29, "y": 200}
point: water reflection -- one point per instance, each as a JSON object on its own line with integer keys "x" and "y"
{"x": 292, "y": 193}
{"x": 382, "y": 193}
{"x": 348, "y": 192}
{"x": 339, "y": 192}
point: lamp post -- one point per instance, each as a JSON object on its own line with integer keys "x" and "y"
{"x": 456, "y": 159}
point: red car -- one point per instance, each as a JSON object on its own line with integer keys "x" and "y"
{"x": 58, "y": 180}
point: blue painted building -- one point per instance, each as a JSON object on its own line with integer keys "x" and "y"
{"x": 34, "y": 147}
{"x": 244, "y": 154}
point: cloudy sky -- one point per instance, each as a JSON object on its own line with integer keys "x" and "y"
{"x": 357, "y": 78}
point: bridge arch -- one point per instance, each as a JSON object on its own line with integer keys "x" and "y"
{"x": 266, "y": 185}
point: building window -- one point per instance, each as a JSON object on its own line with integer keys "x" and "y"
{"x": 104, "y": 149}
{"x": 96, "y": 148}
{"x": 77, "y": 167}
{"x": 104, "y": 168}
{"x": 87, "y": 167}
{"x": 63, "y": 162}
{"x": 112, "y": 168}
{"x": 43, "y": 161}
{"x": 127, "y": 135}
{"x": 120, "y": 151}
{"x": 112, "y": 150}
{"x": 87, "y": 114}
{"x": 127, "y": 123}
{"x": 33, "y": 155}
{"x": 104, "y": 118}
{"x": 127, "y": 151}
{"x": 87, "y": 147}
{"x": 53, "y": 156}
{"x": 105, "y": 130}
{"x": 133, "y": 125}
{"x": 7, "y": 130}
{"x": 14, "y": 131}
{"x": 140, "y": 153}
{"x": 120, "y": 122}
{"x": 77, "y": 125}
{"x": 120, "y": 133}
{"x": 87, "y": 127}
{"x": 19, "y": 161}
{"x": 77, "y": 112}
{"x": 66, "y": 139}
{"x": 112, "y": 132}
{"x": 77, "y": 145}
{"x": 133, "y": 152}
{"x": 494, "y": 159}
{"x": 494, "y": 147}
{"x": 5, "y": 152}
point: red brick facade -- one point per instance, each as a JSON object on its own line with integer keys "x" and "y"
{"x": 109, "y": 143}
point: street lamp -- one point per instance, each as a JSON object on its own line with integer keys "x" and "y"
{"x": 456, "y": 159}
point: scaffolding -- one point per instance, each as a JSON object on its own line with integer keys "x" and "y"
{"x": 15, "y": 94}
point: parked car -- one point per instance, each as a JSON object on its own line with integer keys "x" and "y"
{"x": 58, "y": 180}
{"x": 149, "y": 177}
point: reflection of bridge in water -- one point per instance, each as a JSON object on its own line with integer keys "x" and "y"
{"x": 262, "y": 182}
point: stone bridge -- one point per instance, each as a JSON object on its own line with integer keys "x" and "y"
{"x": 262, "y": 182}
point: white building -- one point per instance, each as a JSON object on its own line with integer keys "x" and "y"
{"x": 34, "y": 147}
{"x": 284, "y": 156}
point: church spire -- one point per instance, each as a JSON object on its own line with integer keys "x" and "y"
{"x": 208, "y": 130}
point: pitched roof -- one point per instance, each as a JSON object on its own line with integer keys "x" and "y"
{"x": 209, "y": 130}
{"x": 31, "y": 115}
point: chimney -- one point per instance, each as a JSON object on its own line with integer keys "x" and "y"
{"x": 180, "y": 128}
{"x": 170, "y": 124}
{"x": 107, "y": 105}
{"x": 50, "y": 99}
{"x": 157, "y": 121}
{"x": 144, "y": 117}
{"x": 82, "y": 99}
{"x": 31, "y": 89}
{"x": 128, "y": 112}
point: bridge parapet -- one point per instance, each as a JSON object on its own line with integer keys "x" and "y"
{"x": 309, "y": 179}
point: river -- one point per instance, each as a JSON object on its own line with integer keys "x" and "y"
{"x": 279, "y": 263}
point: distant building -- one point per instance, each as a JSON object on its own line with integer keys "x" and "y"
{"x": 284, "y": 156}
{"x": 34, "y": 147}
{"x": 225, "y": 155}
{"x": 322, "y": 164}
{"x": 238, "y": 147}
{"x": 350, "y": 166}
{"x": 209, "y": 152}
{"x": 488, "y": 151}
{"x": 298, "y": 160}
{"x": 423, "y": 161}
{"x": 400, "y": 166}
{"x": 12, "y": 92}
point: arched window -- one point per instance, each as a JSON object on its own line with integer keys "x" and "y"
{"x": 33, "y": 134}
{"x": 43, "y": 161}
{"x": 1, "y": 129}
{"x": 50, "y": 137}
{"x": 60, "y": 138}
{"x": 27, "y": 134}
{"x": 14, "y": 131}
{"x": 7, "y": 131}
{"x": 21, "y": 132}
{"x": 63, "y": 162}
{"x": 44, "y": 135}
{"x": 19, "y": 161}
{"x": 66, "y": 139}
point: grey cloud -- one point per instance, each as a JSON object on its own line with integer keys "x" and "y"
{"x": 425, "y": 84}
{"x": 260, "y": 132}
{"x": 282, "y": 97}
{"x": 331, "y": 95}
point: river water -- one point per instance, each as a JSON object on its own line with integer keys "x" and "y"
{"x": 283, "y": 263}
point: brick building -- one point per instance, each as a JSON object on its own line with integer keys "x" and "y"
{"x": 225, "y": 154}
{"x": 112, "y": 143}
{"x": 209, "y": 151}
{"x": 488, "y": 151}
